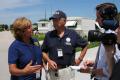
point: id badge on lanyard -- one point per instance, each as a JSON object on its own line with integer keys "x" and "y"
{"x": 60, "y": 52}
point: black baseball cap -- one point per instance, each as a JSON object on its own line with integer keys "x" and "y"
{"x": 57, "y": 15}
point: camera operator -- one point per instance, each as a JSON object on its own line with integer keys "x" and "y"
{"x": 101, "y": 69}
{"x": 116, "y": 69}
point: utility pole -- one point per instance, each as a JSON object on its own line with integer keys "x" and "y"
{"x": 45, "y": 14}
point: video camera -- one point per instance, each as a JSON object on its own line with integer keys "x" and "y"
{"x": 105, "y": 32}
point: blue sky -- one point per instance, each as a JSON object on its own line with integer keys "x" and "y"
{"x": 35, "y": 9}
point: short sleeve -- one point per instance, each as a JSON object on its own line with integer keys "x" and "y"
{"x": 80, "y": 42}
{"x": 12, "y": 55}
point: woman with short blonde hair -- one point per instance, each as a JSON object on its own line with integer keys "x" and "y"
{"x": 24, "y": 55}
{"x": 19, "y": 26}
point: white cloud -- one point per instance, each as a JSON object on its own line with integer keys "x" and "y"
{"x": 9, "y": 10}
{"x": 9, "y": 17}
{"x": 11, "y": 4}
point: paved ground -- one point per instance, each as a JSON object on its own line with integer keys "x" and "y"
{"x": 5, "y": 40}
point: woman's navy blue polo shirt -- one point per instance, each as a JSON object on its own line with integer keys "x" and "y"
{"x": 67, "y": 44}
{"x": 21, "y": 54}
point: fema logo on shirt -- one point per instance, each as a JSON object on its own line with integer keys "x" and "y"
{"x": 68, "y": 41}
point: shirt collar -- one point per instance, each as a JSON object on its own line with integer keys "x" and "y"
{"x": 66, "y": 32}
{"x": 21, "y": 42}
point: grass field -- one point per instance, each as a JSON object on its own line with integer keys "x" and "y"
{"x": 41, "y": 37}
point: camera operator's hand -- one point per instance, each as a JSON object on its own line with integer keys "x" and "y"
{"x": 88, "y": 63}
{"x": 97, "y": 72}
{"x": 85, "y": 69}
{"x": 87, "y": 66}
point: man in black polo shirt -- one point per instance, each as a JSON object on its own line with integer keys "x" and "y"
{"x": 59, "y": 49}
